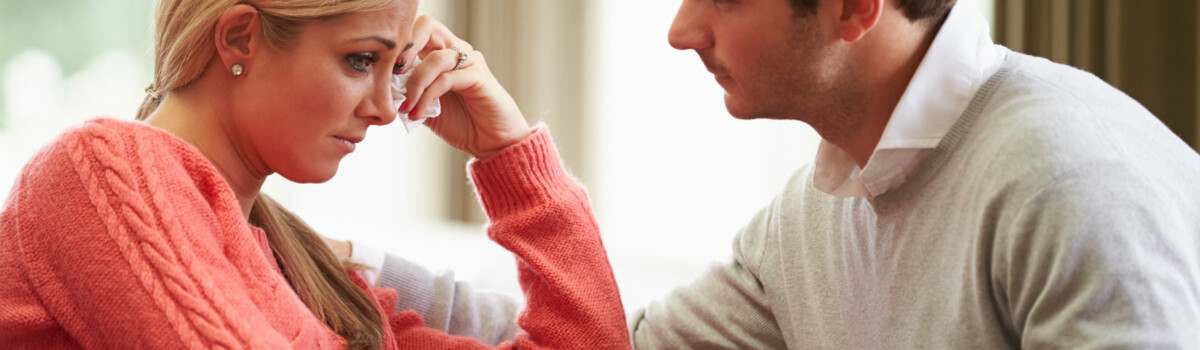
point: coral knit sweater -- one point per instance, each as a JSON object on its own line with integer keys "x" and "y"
{"x": 122, "y": 236}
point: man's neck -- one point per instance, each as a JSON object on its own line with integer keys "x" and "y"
{"x": 188, "y": 114}
{"x": 888, "y": 59}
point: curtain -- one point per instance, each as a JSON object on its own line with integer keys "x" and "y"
{"x": 540, "y": 52}
{"x": 1146, "y": 48}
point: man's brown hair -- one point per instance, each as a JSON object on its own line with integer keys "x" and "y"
{"x": 915, "y": 10}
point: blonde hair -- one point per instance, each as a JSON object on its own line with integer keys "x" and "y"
{"x": 183, "y": 46}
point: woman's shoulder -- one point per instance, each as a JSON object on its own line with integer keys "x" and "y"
{"x": 104, "y": 167}
{"x": 66, "y": 179}
{"x": 65, "y": 152}
{"x": 107, "y": 152}
{"x": 109, "y": 133}
{"x": 111, "y": 142}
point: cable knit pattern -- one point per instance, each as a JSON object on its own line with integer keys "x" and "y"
{"x": 118, "y": 235}
{"x": 163, "y": 266}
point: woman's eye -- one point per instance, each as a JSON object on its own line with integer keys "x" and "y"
{"x": 362, "y": 61}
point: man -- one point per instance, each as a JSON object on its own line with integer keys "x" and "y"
{"x": 963, "y": 196}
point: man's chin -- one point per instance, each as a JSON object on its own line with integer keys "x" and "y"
{"x": 745, "y": 117}
{"x": 733, "y": 107}
{"x": 740, "y": 109}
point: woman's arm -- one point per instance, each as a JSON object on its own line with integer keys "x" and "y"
{"x": 535, "y": 209}
{"x": 542, "y": 215}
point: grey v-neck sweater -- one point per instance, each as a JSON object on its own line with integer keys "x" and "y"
{"x": 1057, "y": 213}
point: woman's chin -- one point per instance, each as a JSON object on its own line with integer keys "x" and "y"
{"x": 312, "y": 176}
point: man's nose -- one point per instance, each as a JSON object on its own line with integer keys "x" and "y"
{"x": 689, "y": 30}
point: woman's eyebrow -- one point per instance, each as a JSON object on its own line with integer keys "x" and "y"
{"x": 390, "y": 44}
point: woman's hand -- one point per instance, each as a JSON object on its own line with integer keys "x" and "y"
{"x": 478, "y": 115}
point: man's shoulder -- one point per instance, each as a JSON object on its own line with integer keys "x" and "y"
{"x": 1048, "y": 118}
{"x": 1030, "y": 86}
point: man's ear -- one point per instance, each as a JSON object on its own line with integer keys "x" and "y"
{"x": 858, "y": 17}
{"x": 237, "y": 35}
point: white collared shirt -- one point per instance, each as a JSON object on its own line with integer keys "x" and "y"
{"x": 960, "y": 60}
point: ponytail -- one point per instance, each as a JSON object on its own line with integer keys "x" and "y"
{"x": 149, "y": 104}
{"x": 318, "y": 276}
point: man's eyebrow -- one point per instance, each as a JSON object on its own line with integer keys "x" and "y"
{"x": 390, "y": 44}
{"x": 406, "y": 47}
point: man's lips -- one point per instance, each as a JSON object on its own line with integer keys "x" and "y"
{"x": 722, "y": 78}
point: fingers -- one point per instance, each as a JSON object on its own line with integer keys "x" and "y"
{"x": 429, "y": 36}
{"x": 440, "y": 37}
{"x": 437, "y": 65}
{"x": 422, "y": 29}
{"x": 447, "y": 82}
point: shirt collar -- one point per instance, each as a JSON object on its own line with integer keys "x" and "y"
{"x": 961, "y": 58}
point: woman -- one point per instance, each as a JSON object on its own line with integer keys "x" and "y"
{"x": 153, "y": 234}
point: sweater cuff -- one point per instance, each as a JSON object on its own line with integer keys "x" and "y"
{"x": 521, "y": 176}
{"x": 415, "y": 286}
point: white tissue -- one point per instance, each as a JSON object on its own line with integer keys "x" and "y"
{"x": 398, "y": 89}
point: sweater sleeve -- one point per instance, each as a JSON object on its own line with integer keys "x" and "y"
{"x": 114, "y": 272}
{"x": 725, "y": 308}
{"x": 542, "y": 216}
{"x": 1101, "y": 258}
{"x": 448, "y": 305}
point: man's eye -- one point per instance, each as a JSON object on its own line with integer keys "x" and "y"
{"x": 362, "y": 61}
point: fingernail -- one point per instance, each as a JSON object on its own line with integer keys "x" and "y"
{"x": 403, "y": 104}
{"x": 412, "y": 113}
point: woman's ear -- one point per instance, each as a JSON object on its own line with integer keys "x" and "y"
{"x": 237, "y": 35}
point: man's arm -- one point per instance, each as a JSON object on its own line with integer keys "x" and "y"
{"x": 1102, "y": 258}
{"x": 448, "y": 305}
{"x": 444, "y": 303}
{"x": 725, "y": 308}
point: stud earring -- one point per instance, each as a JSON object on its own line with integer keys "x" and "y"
{"x": 237, "y": 69}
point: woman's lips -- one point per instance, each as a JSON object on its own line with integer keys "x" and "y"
{"x": 346, "y": 144}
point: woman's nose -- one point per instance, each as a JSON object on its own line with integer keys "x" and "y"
{"x": 379, "y": 105}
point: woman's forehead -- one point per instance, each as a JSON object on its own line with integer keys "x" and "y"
{"x": 392, "y": 23}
